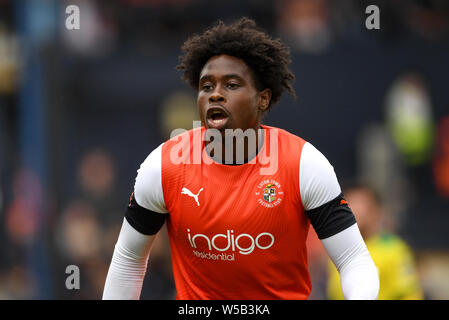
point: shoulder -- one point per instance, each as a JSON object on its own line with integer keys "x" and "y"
{"x": 158, "y": 165}
{"x": 318, "y": 181}
{"x": 148, "y": 185}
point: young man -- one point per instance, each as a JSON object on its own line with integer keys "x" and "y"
{"x": 238, "y": 218}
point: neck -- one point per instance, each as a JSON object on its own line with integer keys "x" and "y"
{"x": 236, "y": 146}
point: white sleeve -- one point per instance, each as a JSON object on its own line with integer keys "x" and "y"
{"x": 358, "y": 274}
{"x": 318, "y": 183}
{"x": 128, "y": 266}
{"x": 148, "y": 186}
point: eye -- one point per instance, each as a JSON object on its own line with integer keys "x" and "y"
{"x": 233, "y": 85}
{"x": 206, "y": 87}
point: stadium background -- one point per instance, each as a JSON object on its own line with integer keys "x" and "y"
{"x": 81, "y": 109}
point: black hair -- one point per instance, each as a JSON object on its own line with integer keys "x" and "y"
{"x": 268, "y": 58}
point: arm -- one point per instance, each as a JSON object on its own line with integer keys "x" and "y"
{"x": 336, "y": 226}
{"x": 128, "y": 265}
{"x": 145, "y": 215}
{"x": 358, "y": 274}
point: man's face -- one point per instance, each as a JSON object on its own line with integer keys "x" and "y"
{"x": 227, "y": 96}
{"x": 366, "y": 210}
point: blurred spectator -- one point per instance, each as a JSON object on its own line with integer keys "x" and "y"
{"x": 87, "y": 224}
{"x": 96, "y": 173}
{"x": 23, "y": 254}
{"x": 305, "y": 24}
{"x": 97, "y": 178}
{"x": 24, "y": 213}
{"x": 393, "y": 257}
{"x": 429, "y": 19}
{"x": 17, "y": 283}
{"x": 79, "y": 233}
{"x": 433, "y": 270}
{"x": 178, "y": 111}
{"x": 381, "y": 166}
{"x": 409, "y": 117}
{"x": 79, "y": 238}
{"x": 9, "y": 60}
{"x": 95, "y": 37}
{"x": 441, "y": 161}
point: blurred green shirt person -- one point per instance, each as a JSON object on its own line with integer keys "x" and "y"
{"x": 394, "y": 259}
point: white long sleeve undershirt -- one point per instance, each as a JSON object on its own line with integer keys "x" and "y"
{"x": 129, "y": 265}
{"x": 358, "y": 273}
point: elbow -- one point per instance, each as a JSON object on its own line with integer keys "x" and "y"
{"x": 361, "y": 283}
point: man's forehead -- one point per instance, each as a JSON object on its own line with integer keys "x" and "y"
{"x": 225, "y": 65}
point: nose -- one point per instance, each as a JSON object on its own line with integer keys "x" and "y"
{"x": 216, "y": 96}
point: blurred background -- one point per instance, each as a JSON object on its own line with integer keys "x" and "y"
{"x": 81, "y": 109}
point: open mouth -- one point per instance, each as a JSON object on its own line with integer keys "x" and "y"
{"x": 217, "y": 117}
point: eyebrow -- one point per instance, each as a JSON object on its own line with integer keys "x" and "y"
{"x": 226, "y": 76}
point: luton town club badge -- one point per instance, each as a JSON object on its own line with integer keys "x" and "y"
{"x": 269, "y": 193}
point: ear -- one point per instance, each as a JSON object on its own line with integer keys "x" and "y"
{"x": 264, "y": 99}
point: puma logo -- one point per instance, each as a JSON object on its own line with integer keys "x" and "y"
{"x": 190, "y": 194}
